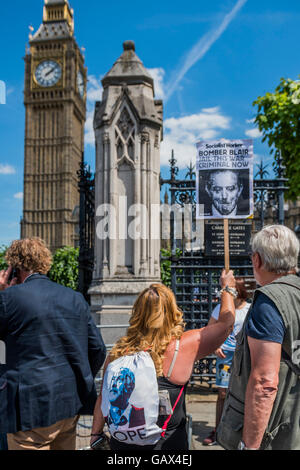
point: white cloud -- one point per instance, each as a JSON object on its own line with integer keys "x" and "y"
{"x": 89, "y": 128}
{"x": 250, "y": 121}
{"x": 18, "y": 196}
{"x": 181, "y": 134}
{"x": 253, "y": 133}
{"x": 94, "y": 89}
{"x": 94, "y": 93}
{"x": 158, "y": 75}
{"x": 211, "y": 110}
{"x": 7, "y": 169}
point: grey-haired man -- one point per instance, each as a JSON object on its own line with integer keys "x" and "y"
{"x": 262, "y": 407}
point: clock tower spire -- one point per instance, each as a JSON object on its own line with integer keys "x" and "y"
{"x": 58, "y": 10}
{"x": 55, "y": 103}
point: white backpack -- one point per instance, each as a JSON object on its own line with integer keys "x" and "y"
{"x": 130, "y": 400}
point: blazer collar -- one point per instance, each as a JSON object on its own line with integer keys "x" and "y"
{"x": 35, "y": 276}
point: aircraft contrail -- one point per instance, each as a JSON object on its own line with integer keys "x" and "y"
{"x": 202, "y": 46}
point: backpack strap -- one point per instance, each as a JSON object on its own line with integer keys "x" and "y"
{"x": 165, "y": 425}
{"x": 174, "y": 359}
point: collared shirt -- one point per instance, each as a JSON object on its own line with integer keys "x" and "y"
{"x": 33, "y": 274}
{"x": 265, "y": 322}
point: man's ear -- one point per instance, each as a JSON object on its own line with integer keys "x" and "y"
{"x": 256, "y": 259}
{"x": 240, "y": 189}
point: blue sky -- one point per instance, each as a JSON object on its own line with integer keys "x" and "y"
{"x": 210, "y": 60}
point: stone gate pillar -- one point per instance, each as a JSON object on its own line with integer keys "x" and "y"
{"x": 128, "y": 132}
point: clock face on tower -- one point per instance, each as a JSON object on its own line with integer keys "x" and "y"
{"x": 80, "y": 83}
{"x": 48, "y": 73}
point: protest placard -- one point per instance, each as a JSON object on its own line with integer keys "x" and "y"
{"x": 239, "y": 239}
{"x": 224, "y": 183}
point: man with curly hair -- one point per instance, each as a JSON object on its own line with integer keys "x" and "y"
{"x": 53, "y": 353}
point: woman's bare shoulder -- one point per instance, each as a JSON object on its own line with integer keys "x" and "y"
{"x": 191, "y": 333}
{"x": 191, "y": 337}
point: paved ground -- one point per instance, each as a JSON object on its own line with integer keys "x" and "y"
{"x": 201, "y": 404}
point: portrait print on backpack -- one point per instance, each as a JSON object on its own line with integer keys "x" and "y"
{"x": 121, "y": 412}
{"x": 130, "y": 400}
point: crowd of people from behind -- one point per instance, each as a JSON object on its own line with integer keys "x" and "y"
{"x": 54, "y": 352}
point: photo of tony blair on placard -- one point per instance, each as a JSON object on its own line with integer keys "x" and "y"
{"x": 224, "y": 183}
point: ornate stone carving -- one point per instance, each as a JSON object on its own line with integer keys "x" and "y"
{"x": 125, "y": 124}
{"x": 125, "y": 135}
{"x": 144, "y": 137}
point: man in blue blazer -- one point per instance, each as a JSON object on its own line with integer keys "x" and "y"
{"x": 53, "y": 353}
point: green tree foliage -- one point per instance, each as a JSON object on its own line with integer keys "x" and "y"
{"x": 3, "y": 263}
{"x": 64, "y": 269}
{"x": 165, "y": 264}
{"x": 278, "y": 118}
{"x": 165, "y": 267}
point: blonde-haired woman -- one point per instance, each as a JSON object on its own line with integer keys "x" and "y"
{"x": 157, "y": 325}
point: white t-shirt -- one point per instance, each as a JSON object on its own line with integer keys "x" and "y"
{"x": 240, "y": 315}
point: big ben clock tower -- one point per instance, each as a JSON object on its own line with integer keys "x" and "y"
{"x": 55, "y": 102}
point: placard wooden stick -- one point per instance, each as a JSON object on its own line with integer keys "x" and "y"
{"x": 226, "y": 244}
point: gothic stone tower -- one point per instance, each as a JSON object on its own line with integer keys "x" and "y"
{"x": 55, "y": 102}
{"x": 128, "y": 131}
